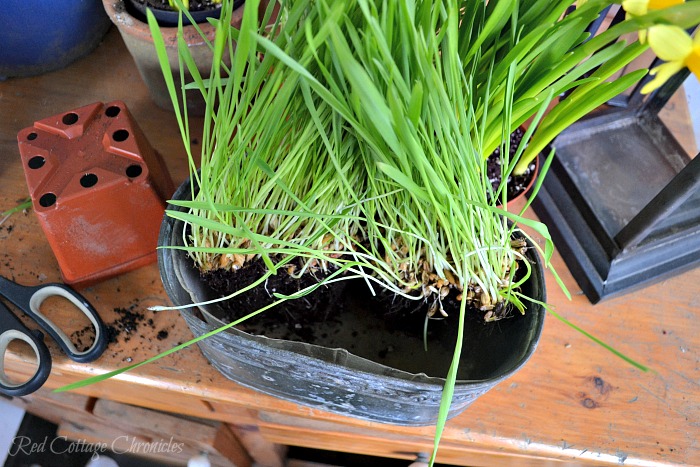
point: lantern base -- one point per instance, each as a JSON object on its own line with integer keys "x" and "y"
{"x": 606, "y": 201}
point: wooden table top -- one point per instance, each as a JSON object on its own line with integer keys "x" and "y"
{"x": 573, "y": 401}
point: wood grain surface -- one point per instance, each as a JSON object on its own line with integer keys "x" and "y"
{"x": 574, "y": 402}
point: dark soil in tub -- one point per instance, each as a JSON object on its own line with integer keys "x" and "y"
{"x": 516, "y": 184}
{"x": 347, "y": 315}
{"x": 295, "y": 319}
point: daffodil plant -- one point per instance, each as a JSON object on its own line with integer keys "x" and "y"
{"x": 592, "y": 69}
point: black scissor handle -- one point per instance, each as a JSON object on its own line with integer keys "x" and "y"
{"x": 11, "y": 329}
{"x": 43, "y": 292}
{"x": 29, "y": 300}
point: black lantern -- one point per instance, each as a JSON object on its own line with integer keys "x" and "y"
{"x": 622, "y": 198}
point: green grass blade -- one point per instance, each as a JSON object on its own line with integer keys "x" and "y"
{"x": 450, "y": 380}
{"x": 606, "y": 346}
{"x": 111, "y": 374}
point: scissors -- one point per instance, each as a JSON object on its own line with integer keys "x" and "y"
{"x": 29, "y": 300}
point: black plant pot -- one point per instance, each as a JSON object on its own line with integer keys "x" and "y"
{"x": 170, "y": 18}
{"x": 38, "y": 37}
{"x": 335, "y": 379}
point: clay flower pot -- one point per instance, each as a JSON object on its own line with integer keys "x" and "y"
{"x": 98, "y": 189}
{"x": 138, "y": 40}
{"x": 38, "y": 37}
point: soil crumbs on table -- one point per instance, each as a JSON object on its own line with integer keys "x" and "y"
{"x": 126, "y": 324}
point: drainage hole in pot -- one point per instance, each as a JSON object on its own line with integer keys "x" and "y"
{"x": 36, "y": 162}
{"x": 112, "y": 111}
{"x": 133, "y": 171}
{"x": 88, "y": 180}
{"x": 32, "y": 136}
{"x": 47, "y": 199}
{"x": 69, "y": 119}
{"x": 120, "y": 135}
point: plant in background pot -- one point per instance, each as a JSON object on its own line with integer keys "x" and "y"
{"x": 167, "y": 12}
{"x": 197, "y": 35}
{"x": 346, "y": 145}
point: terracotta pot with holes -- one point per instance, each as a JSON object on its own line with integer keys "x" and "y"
{"x": 98, "y": 189}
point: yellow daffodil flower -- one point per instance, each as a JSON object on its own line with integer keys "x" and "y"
{"x": 673, "y": 45}
{"x": 173, "y": 5}
{"x": 642, "y": 7}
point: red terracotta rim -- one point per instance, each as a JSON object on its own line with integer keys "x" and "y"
{"x": 531, "y": 183}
